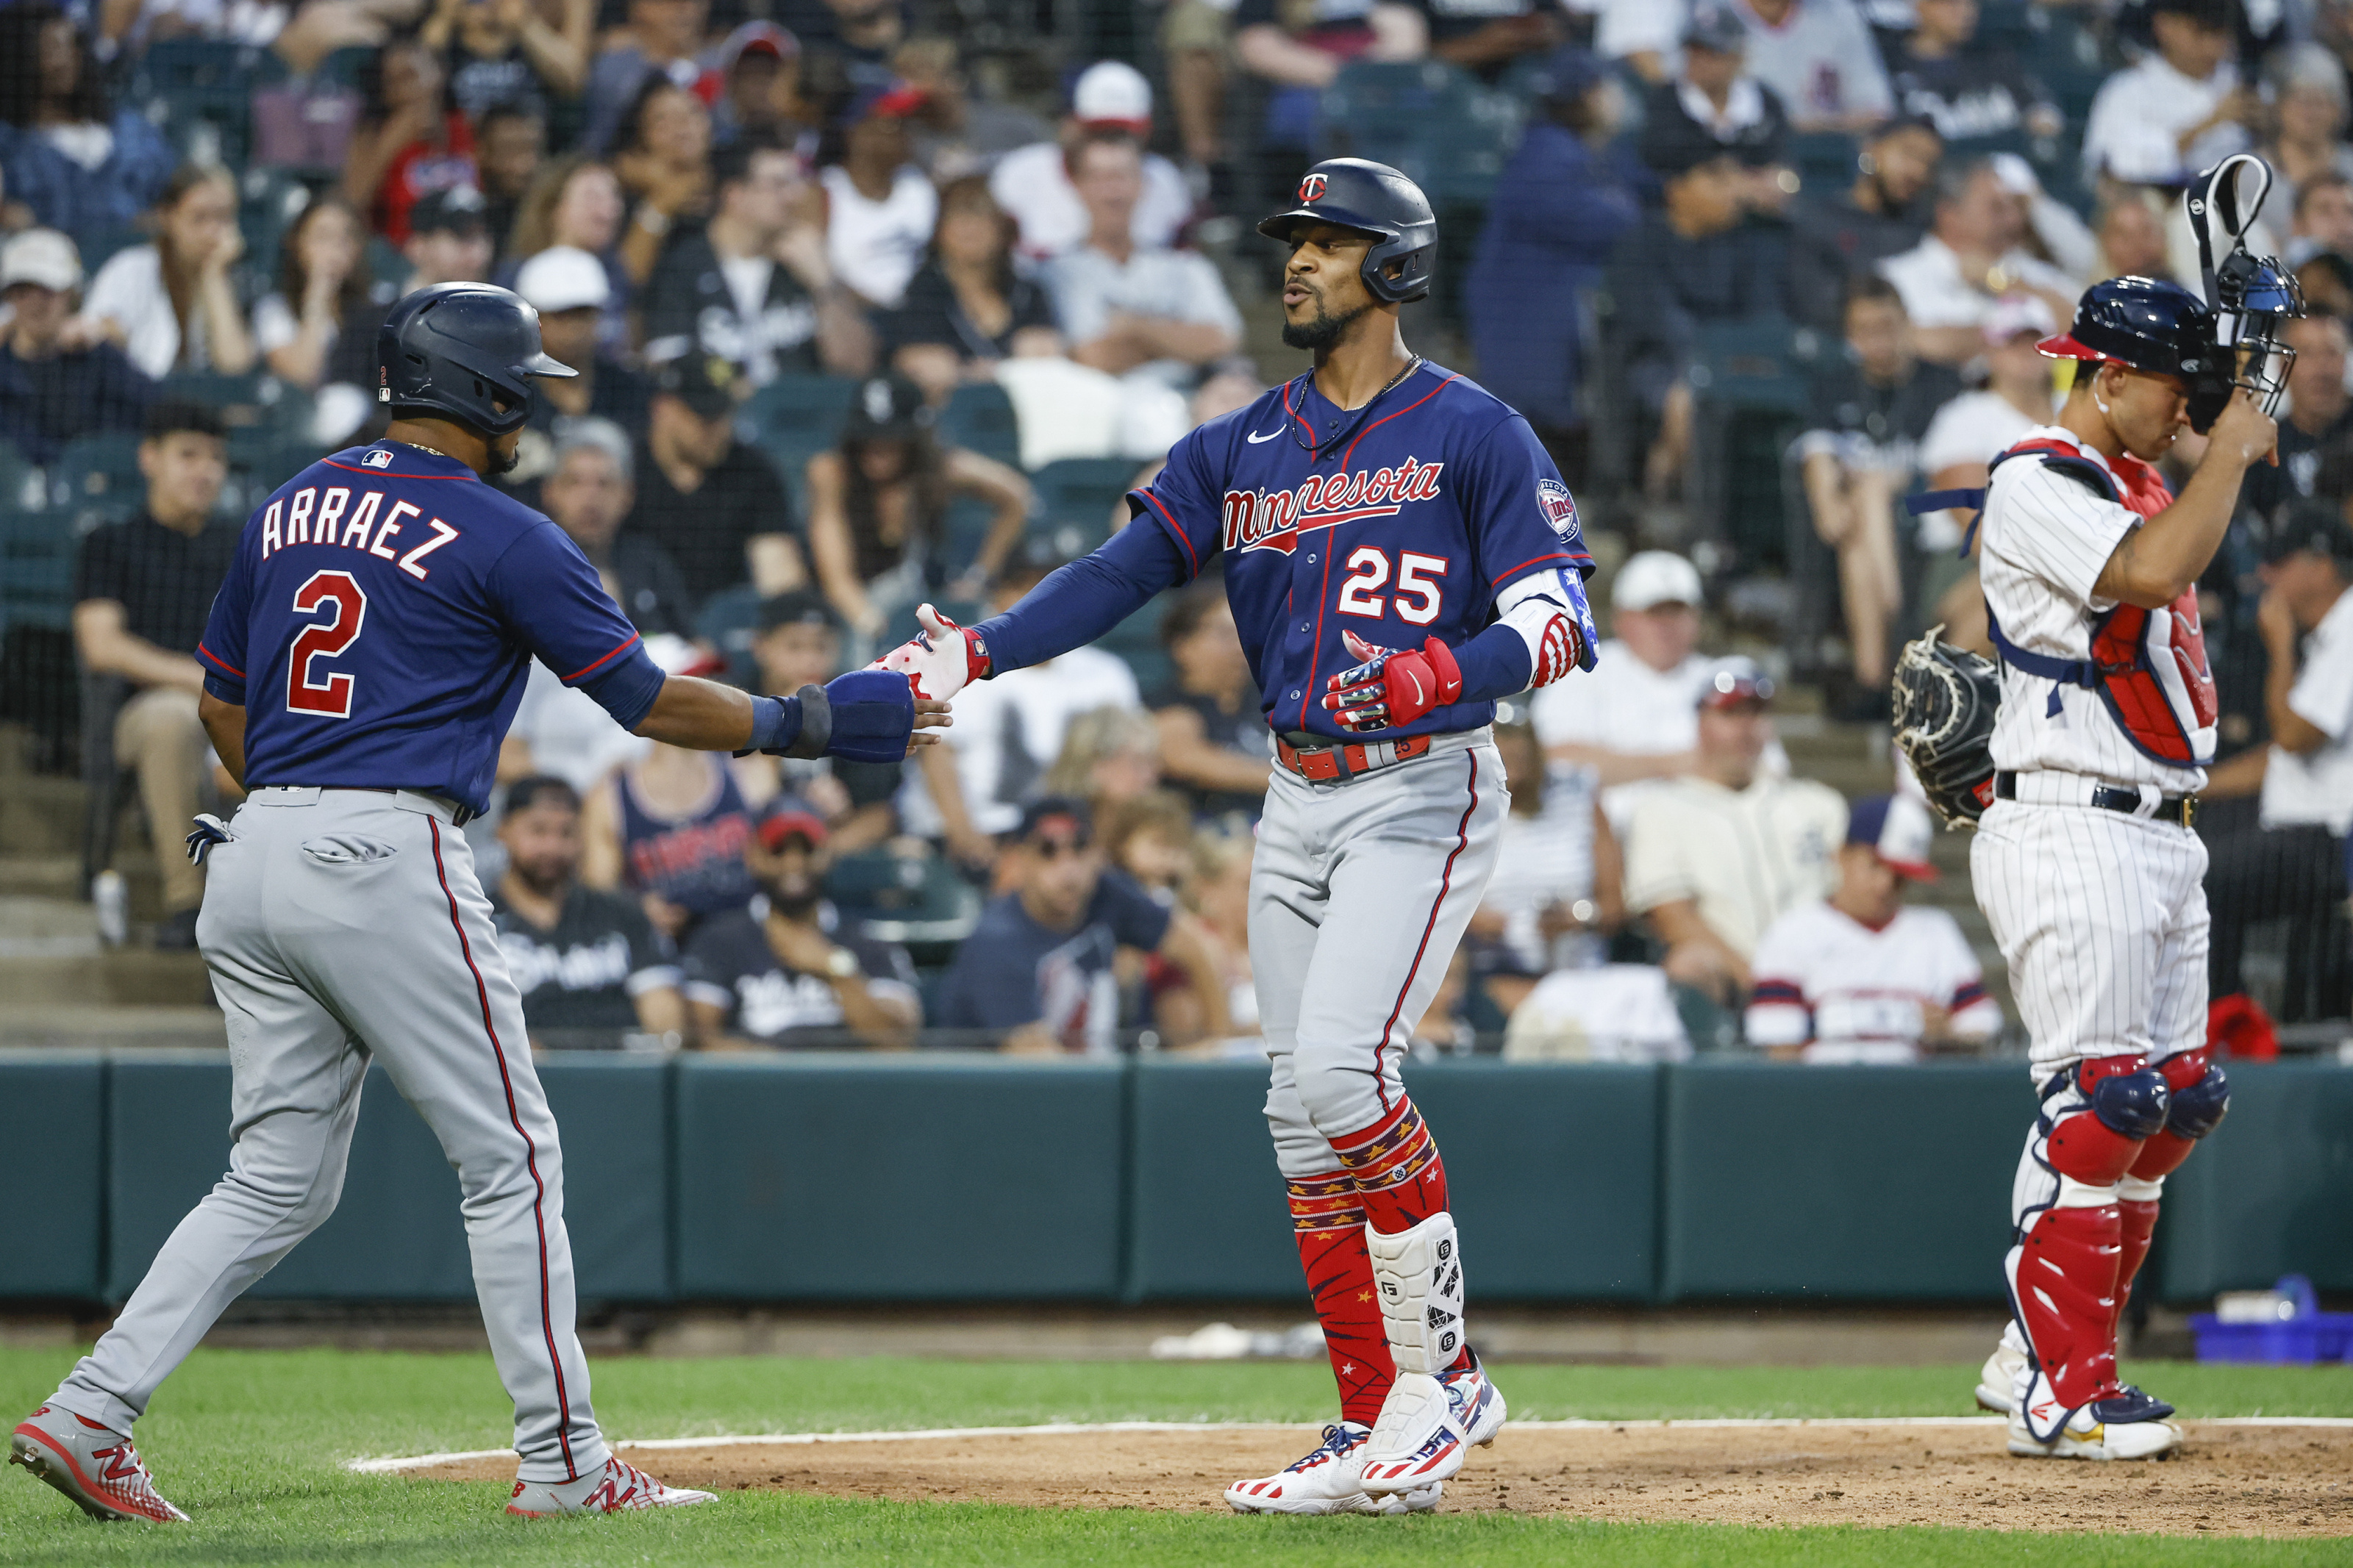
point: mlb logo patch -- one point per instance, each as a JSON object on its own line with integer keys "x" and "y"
{"x": 380, "y": 458}
{"x": 1559, "y": 507}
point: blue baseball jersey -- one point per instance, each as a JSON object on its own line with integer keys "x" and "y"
{"x": 1398, "y": 522}
{"x": 381, "y": 616}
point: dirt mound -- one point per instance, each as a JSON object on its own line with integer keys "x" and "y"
{"x": 2228, "y": 1479}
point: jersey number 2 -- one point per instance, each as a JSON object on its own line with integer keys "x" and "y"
{"x": 335, "y": 591}
{"x": 1417, "y": 595}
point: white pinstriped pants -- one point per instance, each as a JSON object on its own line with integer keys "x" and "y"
{"x": 2102, "y": 918}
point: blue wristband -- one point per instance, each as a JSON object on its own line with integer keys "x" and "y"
{"x": 775, "y": 724}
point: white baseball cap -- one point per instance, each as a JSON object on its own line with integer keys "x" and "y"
{"x": 2015, "y": 313}
{"x": 1111, "y": 92}
{"x": 564, "y": 278}
{"x": 1655, "y": 578}
{"x": 40, "y": 256}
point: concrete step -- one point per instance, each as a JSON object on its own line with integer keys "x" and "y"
{"x": 91, "y": 1027}
{"x": 125, "y": 977}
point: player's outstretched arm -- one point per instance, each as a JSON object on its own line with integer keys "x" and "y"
{"x": 864, "y": 716}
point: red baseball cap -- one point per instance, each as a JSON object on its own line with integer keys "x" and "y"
{"x": 791, "y": 818}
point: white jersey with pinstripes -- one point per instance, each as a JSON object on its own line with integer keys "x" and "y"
{"x": 2047, "y": 536}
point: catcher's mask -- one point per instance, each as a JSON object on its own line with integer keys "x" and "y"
{"x": 2250, "y": 299}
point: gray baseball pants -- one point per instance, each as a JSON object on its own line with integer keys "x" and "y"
{"x": 340, "y": 926}
{"x": 1360, "y": 892}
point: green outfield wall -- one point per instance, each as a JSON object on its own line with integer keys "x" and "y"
{"x": 932, "y": 1177}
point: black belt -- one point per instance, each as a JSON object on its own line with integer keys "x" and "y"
{"x": 2175, "y": 808}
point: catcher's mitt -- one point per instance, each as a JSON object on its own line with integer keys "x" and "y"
{"x": 1945, "y": 699}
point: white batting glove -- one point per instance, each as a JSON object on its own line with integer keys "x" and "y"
{"x": 940, "y": 660}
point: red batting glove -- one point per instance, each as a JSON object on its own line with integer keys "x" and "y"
{"x": 1393, "y": 686}
{"x": 940, "y": 660}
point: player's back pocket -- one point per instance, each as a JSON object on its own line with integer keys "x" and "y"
{"x": 347, "y": 850}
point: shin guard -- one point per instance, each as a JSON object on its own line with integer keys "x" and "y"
{"x": 1328, "y": 1222}
{"x": 2137, "y": 1202}
{"x": 2062, "y": 1285}
{"x": 1419, "y": 1273}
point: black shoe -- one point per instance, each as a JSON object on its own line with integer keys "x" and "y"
{"x": 2131, "y": 1404}
{"x": 176, "y": 933}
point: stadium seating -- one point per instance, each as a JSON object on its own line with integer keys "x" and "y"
{"x": 795, "y": 418}
{"x": 96, "y": 480}
{"x": 36, "y": 565}
{"x": 1078, "y": 499}
{"x": 979, "y": 417}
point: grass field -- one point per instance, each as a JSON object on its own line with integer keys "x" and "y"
{"x": 250, "y": 1443}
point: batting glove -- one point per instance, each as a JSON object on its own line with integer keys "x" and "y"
{"x": 1393, "y": 686}
{"x": 940, "y": 660}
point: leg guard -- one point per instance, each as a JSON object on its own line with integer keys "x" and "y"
{"x": 2137, "y": 1202}
{"x": 1420, "y": 1275}
{"x": 2199, "y": 1096}
{"x": 2063, "y": 1283}
{"x": 1328, "y": 1222}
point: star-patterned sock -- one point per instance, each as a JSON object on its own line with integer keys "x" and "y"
{"x": 1400, "y": 1179}
{"x": 1329, "y": 1223}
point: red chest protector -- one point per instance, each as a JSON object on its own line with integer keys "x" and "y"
{"x": 2149, "y": 667}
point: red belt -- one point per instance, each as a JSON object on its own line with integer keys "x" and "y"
{"x": 1319, "y": 764}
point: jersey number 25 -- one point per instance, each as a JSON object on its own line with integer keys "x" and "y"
{"x": 338, "y": 592}
{"x": 1416, "y": 596}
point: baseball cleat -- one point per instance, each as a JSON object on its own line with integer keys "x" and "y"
{"x": 618, "y": 1487}
{"x": 91, "y": 1464}
{"x": 1328, "y": 1480}
{"x": 1416, "y": 1441}
{"x": 2104, "y": 1429}
{"x": 1997, "y": 1381}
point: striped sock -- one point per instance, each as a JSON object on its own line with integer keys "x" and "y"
{"x": 1328, "y": 1222}
{"x": 1399, "y": 1178}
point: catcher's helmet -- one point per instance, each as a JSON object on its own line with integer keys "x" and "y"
{"x": 467, "y": 350}
{"x": 2148, "y": 323}
{"x": 1356, "y": 193}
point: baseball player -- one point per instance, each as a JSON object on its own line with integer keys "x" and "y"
{"x": 362, "y": 661}
{"x": 1400, "y": 553}
{"x": 2084, "y": 862}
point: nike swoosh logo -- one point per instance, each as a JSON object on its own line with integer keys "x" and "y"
{"x": 1269, "y": 436}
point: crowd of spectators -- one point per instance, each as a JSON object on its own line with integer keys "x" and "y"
{"x": 717, "y": 207}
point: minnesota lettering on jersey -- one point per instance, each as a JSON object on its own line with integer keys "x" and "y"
{"x": 326, "y": 515}
{"x": 1258, "y": 520}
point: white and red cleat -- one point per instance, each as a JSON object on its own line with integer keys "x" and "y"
{"x": 1328, "y": 1480}
{"x": 618, "y": 1487}
{"x": 1429, "y": 1426}
{"x": 91, "y": 1464}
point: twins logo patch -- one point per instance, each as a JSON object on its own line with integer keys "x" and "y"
{"x": 1559, "y": 507}
{"x": 1311, "y": 189}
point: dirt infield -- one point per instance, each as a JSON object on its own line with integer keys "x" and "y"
{"x": 2228, "y": 1479}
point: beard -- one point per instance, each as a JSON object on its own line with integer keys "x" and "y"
{"x": 502, "y": 462}
{"x": 1320, "y": 330}
{"x": 797, "y": 902}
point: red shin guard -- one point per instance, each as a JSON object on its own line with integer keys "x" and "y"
{"x": 2137, "y": 1222}
{"x": 1329, "y": 1223}
{"x": 2064, "y": 1280}
{"x": 1399, "y": 1178}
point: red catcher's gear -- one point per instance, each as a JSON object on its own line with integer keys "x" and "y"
{"x": 2063, "y": 1285}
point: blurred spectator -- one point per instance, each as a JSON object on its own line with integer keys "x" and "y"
{"x": 878, "y": 505}
{"x": 2048, "y": 229}
{"x": 57, "y": 381}
{"x": 1687, "y": 264}
{"x": 760, "y": 66}
{"x": 448, "y": 241}
{"x": 1541, "y": 253}
{"x": 142, "y": 592}
{"x": 1035, "y": 186}
{"x": 2321, "y": 217}
{"x": 410, "y": 142}
{"x": 2130, "y": 231}
{"x": 1968, "y": 91}
{"x": 1197, "y": 42}
{"x": 800, "y": 644}
{"x": 2319, "y": 415}
{"x": 1008, "y": 731}
{"x": 575, "y": 201}
{"x": 1214, "y": 739}
{"x": 1970, "y": 258}
{"x": 969, "y": 306}
{"x": 1217, "y": 891}
{"x": 582, "y": 958}
{"x": 588, "y": 491}
{"x": 957, "y": 133}
{"x": 300, "y": 33}
{"x": 788, "y": 970}
{"x": 1834, "y": 240}
{"x": 1958, "y": 453}
{"x": 1485, "y": 36}
{"x": 1559, "y": 888}
{"x": 1126, "y": 307}
{"x": 1642, "y": 33}
{"x": 518, "y": 54}
{"x": 2292, "y": 863}
{"x": 171, "y": 304}
{"x": 511, "y": 143}
{"x": 1716, "y": 857}
{"x": 1298, "y": 48}
{"x": 1714, "y": 97}
{"x": 72, "y": 162}
{"x": 711, "y": 502}
{"x": 1110, "y": 756}
{"x": 1150, "y": 838}
{"x": 570, "y": 290}
{"x": 2327, "y": 279}
{"x": 854, "y": 38}
{"x": 754, "y": 286}
{"x": 671, "y": 828}
{"x": 1862, "y": 978}
{"x": 1871, "y": 407}
{"x": 1819, "y": 59}
{"x": 1039, "y": 967}
{"x": 661, "y": 156}
{"x": 880, "y": 207}
{"x": 660, "y": 39}
{"x": 2308, "y": 109}
{"x": 2180, "y": 110}
{"x": 317, "y": 326}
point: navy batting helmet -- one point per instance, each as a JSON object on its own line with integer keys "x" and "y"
{"x": 2148, "y": 323}
{"x": 1356, "y": 193}
{"x": 464, "y": 350}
